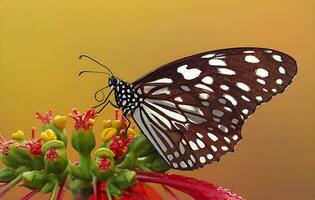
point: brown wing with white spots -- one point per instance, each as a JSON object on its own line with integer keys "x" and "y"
{"x": 189, "y": 134}
{"x": 192, "y": 110}
{"x": 246, "y": 76}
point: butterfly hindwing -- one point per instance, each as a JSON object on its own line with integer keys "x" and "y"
{"x": 190, "y": 134}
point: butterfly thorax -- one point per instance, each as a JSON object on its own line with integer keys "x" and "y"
{"x": 126, "y": 97}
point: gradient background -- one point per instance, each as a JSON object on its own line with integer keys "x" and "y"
{"x": 40, "y": 42}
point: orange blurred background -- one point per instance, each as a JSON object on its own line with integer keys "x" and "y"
{"x": 40, "y": 42}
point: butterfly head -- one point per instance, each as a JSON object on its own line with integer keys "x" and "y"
{"x": 113, "y": 81}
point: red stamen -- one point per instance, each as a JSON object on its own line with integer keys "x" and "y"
{"x": 2, "y": 138}
{"x": 104, "y": 164}
{"x": 44, "y": 118}
{"x": 33, "y": 132}
{"x": 35, "y": 147}
{"x": 119, "y": 144}
{"x": 83, "y": 120}
{"x": 52, "y": 154}
{"x": 116, "y": 114}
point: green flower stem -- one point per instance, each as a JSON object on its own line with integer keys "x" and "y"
{"x": 83, "y": 170}
{"x": 129, "y": 161}
{"x": 10, "y": 185}
{"x": 53, "y": 195}
{"x": 108, "y": 193}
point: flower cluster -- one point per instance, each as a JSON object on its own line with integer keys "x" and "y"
{"x": 117, "y": 169}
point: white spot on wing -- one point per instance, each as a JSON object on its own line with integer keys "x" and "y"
{"x": 185, "y": 88}
{"x": 261, "y": 81}
{"x": 224, "y": 87}
{"x": 277, "y": 58}
{"x": 163, "y": 80}
{"x": 164, "y": 90}
{"x": 200, "y": 143}
{"x": 226, "y": 71}
{"x": 147, "y": 89}
{"x": 216, "y": 62}
{"x": 251, "y": 59}
{"x": 193, "y": 145}
{"x": 279, "y": 81}
{"x": 191, "y": 109}
{"x": 213, "y": 137}
{"x": 243, "y": 86}
{"x": 204, "y": 96}
{"x": 189, "y": 74}
{"x": 223, "y": 128}
{"x": 207, "y": 80}
{"x": 208, "y": 55}
{"x": 231, "y": 99}
{"x": 179, "y": 99}
{"x": 282, "y": 70}
{"x": 202, "y": 86}
{"x": 202, "y": 159}
{"x": 261, "y": 72}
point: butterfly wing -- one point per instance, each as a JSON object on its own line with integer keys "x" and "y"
{"x": 246, "y": 76}
{"x": 183, "y": 108}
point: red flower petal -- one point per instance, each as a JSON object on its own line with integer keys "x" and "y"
{"x": 199, "y": 190}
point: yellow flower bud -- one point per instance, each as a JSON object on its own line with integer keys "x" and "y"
{"x": 48, "y": 135}
{"x": 107, "y": 123}
{"x": 108, "y": 134}
{"x": 132, "y": 132}
{"x": 117, "y": 124}
{"x": 60, "y": 121}
{"x": 18, "y": 135}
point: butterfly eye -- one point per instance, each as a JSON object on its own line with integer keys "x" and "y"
{"x": 112, "y": 81}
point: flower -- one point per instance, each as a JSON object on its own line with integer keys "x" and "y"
{"x": 119, "y": 144}
{"x": 19, "y": 135}
{"x": 35, "y": 147}
{"x": 48, "y": 135}
{"x": 51, "y": 154}
{"x": 85, "y": 120}
{"x": 60, "y": 121}
{"x": 44, "y": 118}
{"x": 120, "y": 169}
{"x": 104, "y": 164}
{"x": 108, "y": 134}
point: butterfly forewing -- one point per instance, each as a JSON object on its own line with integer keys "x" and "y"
{"x": 245, "y": 76}
{"x": 193, "y": 109}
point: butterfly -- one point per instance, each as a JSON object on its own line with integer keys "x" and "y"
{"x": 192, "y": 110}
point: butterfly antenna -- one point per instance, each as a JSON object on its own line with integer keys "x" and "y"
{"x": 86, "y": 56}
{"x": 96, "y": 72}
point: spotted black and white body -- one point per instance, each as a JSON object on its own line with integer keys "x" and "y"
{"x": 192, "y": 110}
{"x": 126, "y": 98}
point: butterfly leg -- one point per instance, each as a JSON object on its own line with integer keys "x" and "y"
{"x": 128, "y": 120}
{"x": 108, "y": 102}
